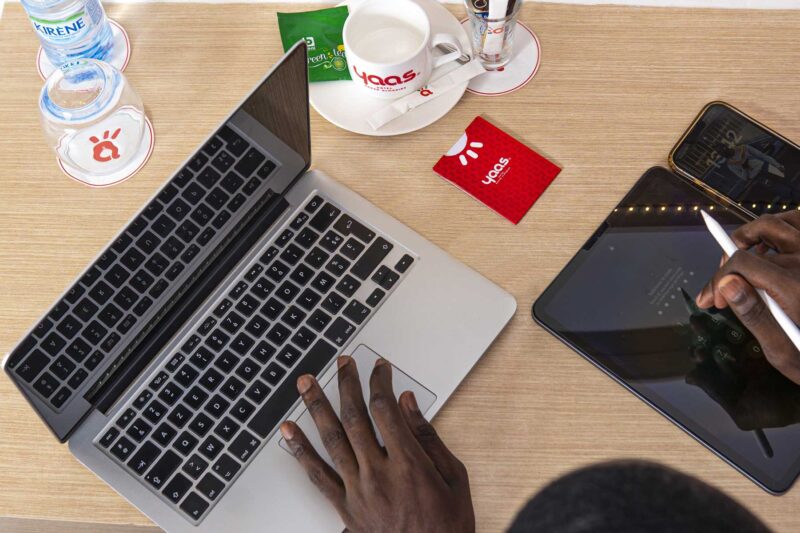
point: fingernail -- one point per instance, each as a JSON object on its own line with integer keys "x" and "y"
{"x": 381, "y": 361}
{"x": 304, "y": 383}
{"x": 287, "y": 430}
{"x": 732, "y": 290}
{"x": 342, "y": 361}
{"x": 411, "y": 398}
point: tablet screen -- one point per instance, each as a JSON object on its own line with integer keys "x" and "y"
{"x": 626, "y": 301}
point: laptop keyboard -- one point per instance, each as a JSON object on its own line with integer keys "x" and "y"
{"x": 207, "y": 410}
{"x": 141, "y": 269}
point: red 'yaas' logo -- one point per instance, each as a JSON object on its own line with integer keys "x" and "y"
{"x": 392, "y": 80}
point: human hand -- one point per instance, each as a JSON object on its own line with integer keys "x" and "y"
{"x": 735, "y": 283}
{"x": 411, "y": 484}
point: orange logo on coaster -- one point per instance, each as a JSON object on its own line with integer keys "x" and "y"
{"x": 106, "y": 144}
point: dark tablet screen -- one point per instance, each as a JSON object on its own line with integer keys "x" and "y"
{"x": 626, "y": 301}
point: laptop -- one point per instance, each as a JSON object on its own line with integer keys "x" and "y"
{"x": 171, "y": 361}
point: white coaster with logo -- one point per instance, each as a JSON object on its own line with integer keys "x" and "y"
{"x": 120, "y": 55}
{"x": 341, "y": 103}
{"x": 92, "y": 151}
{"x": 513, "y": 76}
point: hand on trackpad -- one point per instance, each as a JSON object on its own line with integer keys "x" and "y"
{"x": 365, "y": 359}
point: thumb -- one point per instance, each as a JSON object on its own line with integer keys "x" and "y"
{"x": 754, "y": 315}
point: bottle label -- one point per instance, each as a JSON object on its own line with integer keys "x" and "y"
{"x": 73, "y": 28}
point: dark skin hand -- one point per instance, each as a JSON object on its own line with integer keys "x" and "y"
{"x": 411, "y": 484}
{"x": 735, "y": 284}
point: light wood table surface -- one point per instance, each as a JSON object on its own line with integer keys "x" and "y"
{"x": 616, "y": 88}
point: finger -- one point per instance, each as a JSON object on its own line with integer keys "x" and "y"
{"x": 791, "y": 217}
{"x": 753, "y": 313}
{"x": 328, "y": 425}
{"x": 450, "y": 468}
{"x": 319, "y": 472}
{"x": 354, "y": 414}
{"x": 397, "y": 438}
{"x": 705, "y": 298}
{"x": 771, "y": 230}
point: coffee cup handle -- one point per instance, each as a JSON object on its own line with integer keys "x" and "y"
{"x": 446, "y": 38}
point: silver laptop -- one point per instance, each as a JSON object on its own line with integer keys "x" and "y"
{"x": 171, "y": 361}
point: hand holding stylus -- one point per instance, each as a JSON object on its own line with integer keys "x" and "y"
{"x": 743, "y": 275}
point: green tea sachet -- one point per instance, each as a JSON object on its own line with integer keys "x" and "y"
{"x": 322, "y": 32}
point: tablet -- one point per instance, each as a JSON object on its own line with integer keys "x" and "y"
{"x": 626, "y": 303}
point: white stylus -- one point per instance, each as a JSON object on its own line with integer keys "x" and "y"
{"x": 730, "y": 248}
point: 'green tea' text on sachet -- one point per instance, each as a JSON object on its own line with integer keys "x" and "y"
{"x": 322, "y": 31}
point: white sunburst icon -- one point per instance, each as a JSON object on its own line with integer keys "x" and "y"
{"x": 463, "y": 149}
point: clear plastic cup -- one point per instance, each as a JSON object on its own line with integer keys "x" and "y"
{"x": 92, "y": 118}
{"x": 492, "y": 27}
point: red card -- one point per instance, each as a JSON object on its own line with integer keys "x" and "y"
{"x": 496, "y": 169}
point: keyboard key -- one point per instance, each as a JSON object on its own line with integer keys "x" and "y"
{"x": 46, "y": 384}
{"x": 338, "y": 265}
{"x": 95, "y": 359}
{"x": 333, "y": 302}
{"x": 323, "y": 282}
{"x": 221, "y": 218}
{"x": 62, "y": 367}
{"x": 340, "y": 331}
{"x": 221, "y": 308}
{"x": 278, "y": 334}
{"x": 257, "y": 326}
{"x": 211, "y": 379}
{"x": 348, "y": 285}
{"x": 69, "y": 327}
{"x": 157, "y": 264}
{"x": 269, "y": 255}
{"x": 307, "y": 237}
{"x": 244, "y": 446}
{"x": 167, "y": 193}
{"x": 388, "y": 279}
{"x": 155, "y": 411}
{"x": 266, "y": 169}
{"x": 74, "y": 293}
{"x": 301, "y": 275}
{"x": 32, "y": 366}
{"x": 197, "y": 162}
{"x": 142, "y": 399}
{"x": 183, "y": 177}
{"x": 126, "y": 418}
{"x": 226, "y": 362}
{"x": 262, "y": 288}
{"x": 117, "y": 276}
{"x": 176, "y": 488}
{"x": 159, "y": 288}
{"x": 273, "y": 374}
{"x": 163, "y": 225}
{"x": 304, "y": 337}
{"x": 52, "y": 344}
{"x": 210, "y": 487}
{"x": 226, "y": 429}
{"x": 371, "y": 258}
{"x": 277, "y": 271}
{"x": 58, "y": 310}
{"x": 159, "y": 380}
{"x": 217, "y": 406}
{"x": 249, "y": 162}
{"x": 319, "y": 320}
{"x": 231, "y": 182}
{"x": 324, "y": 217}
{"x": 279, "y": 404}
{"x": 287, "y": 291}
{"x": 299, "y": 220}
{"x": 349, "y": 226}
{"x": 253, "y": 273}
{"x": 143, "y": 305}
{"x": 284, "y": 238}
{"x": 375, "y": 298}
{"x": 263, "y": 352}
{"x": 212, "y": 146}
{"x": 207, "y": 325}
{"x": 226, "y": 467}
{"x": 248, "y": 369}
{"x": 206, "y": 236}
{"x": 60, "y": 397}
{"x": 217, "y": 198}
{"x": 164, "y": 434}
{"x": 195, "y": 397}
{"x": 232, "y": 322}
{"x": 159, "y": 474}
{"x": 77, "y": 378}
{"x": 94, "y": 332}
{"x": 217, "y": 340}
{"x": 109, "y": 437}
{"x": 308, "y": 299}
{"x": 249, "y": 305}
{"x": 201, "y": 424}
{"x": 190, "y": 253}
{"x": 331, "y": 241}
{"x": 122, "y": 448}
{"x": 126, "y": 324}
{"x": 258, "y": 391}
{"x": 272, "y": 309}
{"x": 352, "y": 249}
{"x": 141, "y": 281}
{"x": 356, "y": 311}
{"x": 232, "y": 388}
{"x": 170, "y": 394}
{"x": 223, "y": 161}
{"x": 195, "y": 466}
{"x": 178, "y": 209}
{"x": 242, "y": 410}
{"x": 292, "y": 254}
{"x": 211, "y": 447}
{"x": 148, "y": 242}
{"x": 293, "y": 317}
{"x": 124, "y": 239}
{"x": 403, "y": 264}
{"x": 289, "y": 355}
{"x": 138, "y": 430}
{"x": 179, "y": 416}
{"x": 193, "y": 193}
{"x": 110, "y": 315}
{"x": 185, "y": 443}
{"x": 172, "y": 247}
{"x": 143, "y": 458}
{"x": 41, "y": 329}
{"x": 314, "y": 204}
{"x": 187, "y": 231}
{"x": 233, "y": 141}
{"x": 242, "y": 343}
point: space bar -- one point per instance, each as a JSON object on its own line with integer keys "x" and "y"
{"x": 286, "y": 394}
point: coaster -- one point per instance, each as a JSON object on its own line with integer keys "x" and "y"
{"x": 515, "y": 74}
{"x": 120, "y": 55}
{"x": 134, "y": 165}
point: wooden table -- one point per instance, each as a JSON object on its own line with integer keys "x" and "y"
{"x": 616, "y": 88}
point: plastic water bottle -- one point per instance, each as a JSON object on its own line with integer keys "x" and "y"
{"x": 70, "y": 29}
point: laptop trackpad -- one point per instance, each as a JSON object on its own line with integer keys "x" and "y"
{"x": 365, "y": 359}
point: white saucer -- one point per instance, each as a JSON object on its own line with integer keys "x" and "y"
{"x": 119, "y": 58}
{"x": 345, "y": 106}
{"x": 134, "y": 165}
{"x": 514, "y": 75}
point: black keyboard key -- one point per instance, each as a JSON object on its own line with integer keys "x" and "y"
{"x": 301, "y": 275}
{"x": 217, "y": 406}
{"x": 287, "y": 291}
{"x": 69, "y": 327}
{"x": 317, "y": 257}
{"x": 176, "y": 488}
{"x": 248, "y": 369}
{"x": 193, "y": 193}
{"x": 308, "y": 299}
{"x": 282, "y": 400}
{"x": 293, "y": 317}
{"x": 159, "y": 380}
{"x": 85, "y": 309}
{"x": 221, "y": 218}
{"x": 62, "y": 367}
{"x": 208, "y": 177}
{"x": 356, "y": 311}
{"x": 138, "y": 430}
{"x": 226, "y": 429}
{"x": 263, "y": 352}
{"x": 164, "y": 434}
{"x": 232, "y": 322}
{"x": 233, "y": 141}
{"x": 376, "y": 252}
{"x": 272, "y": 309}
{"x": 192, "y": 343}
{"x": 132, "y": 259}
{"x": 117, "y": 276}
{"x": 148, "y": 242}
{"x": 226, "y": 467}
{"x": 217, "y": 198}
{"x": 143, "y": 305}
{"x": 323, "y": 282}
{"x": 195, "y": 397}
{"x": 179, "y": 209}
{"x": 324, "y": 217}
{"x": 269, "y": 255}
{"x": 403, "y": 264}
{"x": 340, "y": 331}
{"x": 126, "y": 418}
{"x": 90, "y": 276}
{"x": 258, "y": 391}
{"x": 207, "y": 325}
{"x": 53, "y": 343}
{"x": 319, "y": 320}
{"x": 58, "y": 310}
{"x": 94, "y": 332}
{"x": 210, "y": 487}
{"x": 307, "y": 237}
{"x": 77, "y": 378}
{"x": 125, "y": 298}
{"x": 202, "y": 214}
{"x": 174, "y": 271}
{"x": 352, "y": 249}
{"x": 206, "y": 236}
{"x": 122, "y": 448}
{"x": 143, "y": 458}
{"x": 217, "y": 340}
{"x": 284, "y": 238}
{"x": 95, "y": 359}
{"x": 141, "y": 281}
{"x": 75, "y": 292}
{"x": 273, "y": 373}
{"x": 185, "y": 443}
{"x": 190, "y": 253}
{"x": 331, "y": 241}
{"x": 78, "y": 350}
{"x": 211, "y": 447}
{"x": 231, "y": 182}
{"x": 238, "y": 290}
{"x": 223, "y": 161}
{"x": 179, "y": 416}
{"x": 249, "y": 162}
{"x": 277, "y": 271}
{"x": 167, "y": 193}
{"x": 60, "y": 397}
{"x": 278, "y": 334}
{"x": 109, "y": 437}
{"x": 211, "y": 379}
{"x": 123, "y": 240}
{"x": 236, "y": 202}
{"x": 183, "y": 177}
{"x": 203, "y": 357}
{"x": 201, "y": 424}
{"x": 262, "y": 288}
{"x": 232, "y": 388}
{"x": 348, "y": 285}
{"x": 314, "y": 204}
{"x": 197, "y": 162}
{"x": 195, "y": 466}
{"x": 142, "y": 399}
{"x": 253, "y": 273}
{"x": 212, "y": 146}
{"x": 187, "y": 231}
{"x": 110, "y": 315}
{"x": 257, "y": 326}
{"x": 292, "y": 254}
{"x": 299, "y": 220}
{"x": 221, "y": 308}
{"x": 40, "y": 330}
{"x": 289, "y": 356}
{"x": 155, "y": 411}
{"x": 159, "y": 474}
{"x": 348, "y": 226}
{"x": 244, "y": 446}
{"x": 163, "y": 225}
{"x": 388, "y": 279}
{"x": 304, "y": 337}
{"x": 172, "y": 247}
{"x": 159, "y": 288}
{"x": 136, "y": 227}
{"x": 170, "y": 393}
{"x": 333, "y": 302}
{"x": 266, "y": 169}
{"x": 375, "y": 298}
{"x": 157, "y": 264}
{"x": 226, "y": 361}
{"x": 106, "y": 260}
{"x": 249, "y": 305}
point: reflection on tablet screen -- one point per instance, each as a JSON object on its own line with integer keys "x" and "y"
{"x": 627, "y": 302}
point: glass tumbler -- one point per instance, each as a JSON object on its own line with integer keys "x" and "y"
{"x": 92, "y": 118}
{"x": 493, "y": 23}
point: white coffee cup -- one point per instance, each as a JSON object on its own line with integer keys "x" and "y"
{"x": 389, "y": 47}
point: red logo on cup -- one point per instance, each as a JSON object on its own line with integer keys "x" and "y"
{"x": 374, "y": 79}
{"x": 425, "y": 91}
{"x": 107, "y": 143}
